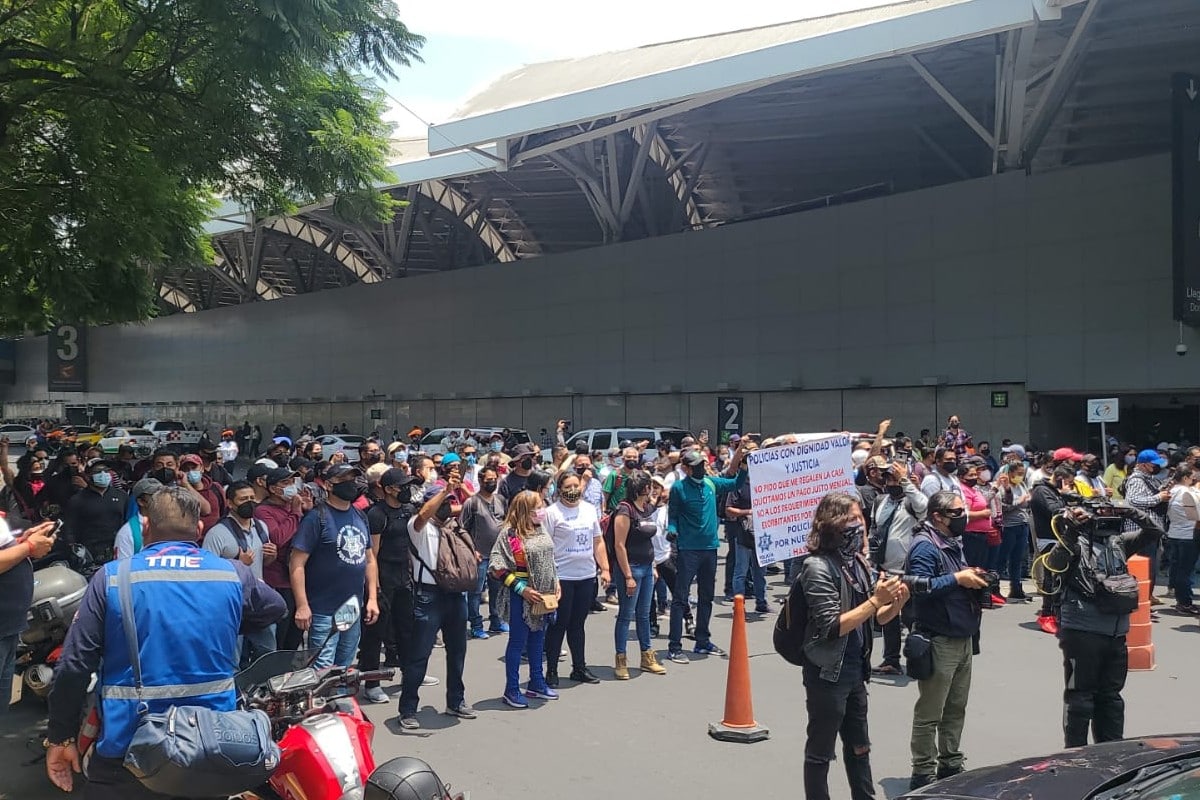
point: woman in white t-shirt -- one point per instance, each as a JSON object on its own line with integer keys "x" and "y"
{"x": 574, "y": 525}
{"x": 1183, "y": 514}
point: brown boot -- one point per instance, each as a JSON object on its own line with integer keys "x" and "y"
{"x": 621, "y": 670}
{"x": 650, "y": 663}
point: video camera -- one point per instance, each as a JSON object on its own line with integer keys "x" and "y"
{"x": 1103, "y": 516}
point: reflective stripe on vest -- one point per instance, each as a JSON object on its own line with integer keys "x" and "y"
{"x": 188, "y": 604}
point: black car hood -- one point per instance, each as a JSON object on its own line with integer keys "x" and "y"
{"x": 1069, "y": 775}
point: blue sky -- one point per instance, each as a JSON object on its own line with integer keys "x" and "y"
{"x": 470, "y": 44}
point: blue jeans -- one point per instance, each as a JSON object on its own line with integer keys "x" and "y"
{"x": 8, "y": 660}
{"x": 521, "y": 640}
{"x": 660, "y": 592}
{"x": 699, "y": 566}
{"x": 433, "y": 611}
{"x": 639, "y": 605}
{"x": 254, "y": 646}
{"x": 1014, "y": 541}
{"x": 339, "y": 649}
{"x": 1183, "y": 568}
{"x": 475, "y": 599}
{"x": 748, "y": 562}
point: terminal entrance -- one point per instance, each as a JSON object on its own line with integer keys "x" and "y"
{"x": 1146, "y": 419}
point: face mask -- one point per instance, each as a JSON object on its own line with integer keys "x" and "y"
{"x": 346, "y": 490}
{"x": 470, "y": 460}
{"x": 631, "y": 463}
{"x": 985, "y": 476}
{"x": 1091, "y": 469}
{"x": 851, "y": 542}
{"x": 488, "y": 486}
{"x": 954, "y": 424}
{"x": 571, "y": 495}
{"x": 895, "y": 492}
{"x": 697, "y": 472}
{"x": 370, "y": 458}
{"x": 970, "y": 481}
{"x": 580, "y": 470}
{"x": 525, "y": 463}
{"x": 497, "y": 447}
{"x": 102, "y": 480}
{"x": 1130, "y": 460}
{"x": 165, "y": 476}
{"x": 290, "y": 491}
{"x": 539, "y": 516}
{"x": 195, "y": 476}
{"x": 985, "y": 451}
{"x": 443, "y": 512}
{"x": 949, "y": 467}
{"x": 957, "y": 526}
{"x": 245, "y": 510}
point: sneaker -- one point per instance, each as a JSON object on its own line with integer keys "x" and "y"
{"x": 552, "y": 678}
{"x": 1048, "y": 624}
{"x": 917, "y": 781}
{"x": 437, "y": 641}
{"x": 678, "y": 657}
{"x": 1182, "y": 609}
{"x": 598, "y": 606}
{"x": 375, "y": 695}
{"x": 708, "y": 649}
{"x": 948, "y": 772}
{"x": 545, "y": 693}
{"x": 429, "y": 680}
{"x": 1154, "y": 601}
{"x": 998, "y": 599}
{"x": 689, "y": 629}
{"x": 497, "y": 629}
{"x": 583, "y": 675}
{"x": 763, "y": 609}
{"x": 1017, "y": 594}
{"x": 611, "y": 600}
{"x": 479, "y": 633}
{"x": 409, "y": 723}
{"x": 515, "y": 699}
{"x": 462, "y": 711}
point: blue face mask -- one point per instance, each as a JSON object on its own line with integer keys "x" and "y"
{"x": 290, "y": 491}
{"x": 470, "y": 460}
{"x": 1130, "y": 460}
{"x": 195, "y": 476}
{"x": 497, "y": 447}
{"x": 102, "y": 480}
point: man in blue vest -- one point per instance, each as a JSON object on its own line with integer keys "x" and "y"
{"x": 194, "y": 602}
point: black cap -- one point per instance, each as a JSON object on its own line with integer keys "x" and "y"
{"x": 397, "y": 477}
{"x": 299, "y": 462}
{"x": 338, "y": 470}
{"x": 693, "y": 458}
{"x": 257, "y": 471}
{"x": 523, "y": 450}
{"x": 279, "y": 475}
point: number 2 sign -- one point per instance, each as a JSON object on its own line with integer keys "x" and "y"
{"x": 66, "y": 360}
{"x": 729, "y": 418}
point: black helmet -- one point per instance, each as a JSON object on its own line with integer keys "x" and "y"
{"x": 405, "y": 778}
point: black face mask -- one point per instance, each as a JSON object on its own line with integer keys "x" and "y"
{"x": 895, "y": 492}
{"x": 698, "y": 472}
{"x": 165, "y": 476}
{"x": 950, "y": 467}
{"x": 957, "y": 526}
{"x": 970, "y": 481}
{"x": 346, "y": 490}
{"x": 525, "y": 463}
{"x": 488, "y": 486}
{"x": 580, "y": 470}
{"x": 245, "y": 510}
{"x": 631, "y": 463}
{"x": 443, "y": 512}
{"x": 370, "y": 458}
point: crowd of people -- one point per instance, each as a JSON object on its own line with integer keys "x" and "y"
{"x": 935, "y": 531}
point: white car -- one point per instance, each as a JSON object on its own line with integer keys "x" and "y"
{"x": 346, "y": 443}
{"x": 17, "y": 434}
{"x": 137, "y": 438}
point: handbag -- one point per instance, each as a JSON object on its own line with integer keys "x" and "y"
{"x": 544, "y": 606}
{"x": 193, "y": 751}
{"x": 918, "y": 656}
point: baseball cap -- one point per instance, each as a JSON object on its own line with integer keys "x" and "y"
{"x": 146, "y": 486}
{"x": 520, "y": 451}
{"x": 191, "y": 458}
{"x": 450, "y": 458}
{"x": 205, "y": 445}
{"x": 734, "y": 439}
{"x": 693, "y": 458}
{"x": 1066, "y": 454}
{"x": 375, "y": 472}
{"x": 1151, "y": 457}
{"x": 1163, "y": 447}
{"x": 300, "y": 462}
{"x": 1016, "y": 449}
{"x": 257, "y": 471}
{"x": 96, "y": 462}
{"x": 338, "y": 470}
{"x": 397, "y": 477}
{"x": 859, "y": 457}
{"x": 878, "y": 462}
{"x": 282, "y": 440}
{"x": 278, "y": 475}
{"x": 415, "y": 432}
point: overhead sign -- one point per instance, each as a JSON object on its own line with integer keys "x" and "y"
{"x": 66, "y": 360}
{"x": 787, "y": 483}
{"x": 730, "y": 419}
{"x": 1185, "y": 105}
{"x": 1103, "y": 410}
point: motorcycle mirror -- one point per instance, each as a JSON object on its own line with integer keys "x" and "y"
{"x": 346, "y": 617}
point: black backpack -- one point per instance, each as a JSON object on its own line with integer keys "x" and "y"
{"x": 788, "y": 636}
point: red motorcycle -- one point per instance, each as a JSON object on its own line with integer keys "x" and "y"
{"x": 324, "y": 736}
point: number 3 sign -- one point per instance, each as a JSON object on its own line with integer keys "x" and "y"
{"x": 67, "y": 359}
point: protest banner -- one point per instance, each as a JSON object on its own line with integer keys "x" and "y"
{"x": 787, "y": 483}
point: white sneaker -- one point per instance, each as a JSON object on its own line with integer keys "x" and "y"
{"x": 430, "y": 681}
{"x": 375, "y": 695}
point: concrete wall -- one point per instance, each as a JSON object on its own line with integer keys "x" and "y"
{"x": 1057, "y": 282}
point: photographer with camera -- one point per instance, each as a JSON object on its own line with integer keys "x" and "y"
{"x": 897, "y": 513}
{"x": 947, "y": 598}
{"x": 1086, "y": 569}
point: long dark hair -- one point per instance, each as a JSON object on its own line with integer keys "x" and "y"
{"x": 834, "y": 512}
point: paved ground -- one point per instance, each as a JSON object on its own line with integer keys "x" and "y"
{"x": 648, "y": 736}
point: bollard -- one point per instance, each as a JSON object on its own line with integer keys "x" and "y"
{"x": 1138, "y": 642}
{"x": 738, "y": 724}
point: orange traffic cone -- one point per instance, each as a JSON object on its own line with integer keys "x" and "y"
{"x": 1137, "y": 643}
{"x": 738, "y": 724}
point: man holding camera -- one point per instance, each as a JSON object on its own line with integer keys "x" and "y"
{"x": 1087, "y": 569}
{"x": 896, "y": 514}
{"x": 947, "y": 600}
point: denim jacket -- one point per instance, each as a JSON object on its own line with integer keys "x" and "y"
{"x": 827, "y": 598}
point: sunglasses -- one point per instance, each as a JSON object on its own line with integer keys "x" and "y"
{"x": 954, "y": 513}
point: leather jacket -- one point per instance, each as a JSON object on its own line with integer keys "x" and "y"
{"x": 827, "y": 598}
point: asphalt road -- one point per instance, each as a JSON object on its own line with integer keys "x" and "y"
{"x": 648, "y": 736}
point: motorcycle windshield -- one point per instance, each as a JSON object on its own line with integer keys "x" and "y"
{"x": 280, "y": 662}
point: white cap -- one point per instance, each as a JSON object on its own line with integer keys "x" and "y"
{"x": 859, "y": 457}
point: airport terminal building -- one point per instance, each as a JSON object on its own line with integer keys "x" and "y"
{"x": 931, "y": 207}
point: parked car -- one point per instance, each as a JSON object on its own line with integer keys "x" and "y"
{"x": 17, "y": 434}
{"x": 1147, "y": 768}
{"x": 433, "y": 442}
{"x": 174, "y": 435}
{"x": 605, "y": 438}
{"x": 347, "y": 443}
{"x": 140, "y": 439}
{"x": 89, "y": 438}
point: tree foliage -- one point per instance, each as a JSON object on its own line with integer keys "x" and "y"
{"x": 122, "y": 120}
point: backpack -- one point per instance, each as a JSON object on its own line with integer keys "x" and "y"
{"x": 456, "y": 569}
{"x": 788, "y": 636}
{"x": 1105, "y": 581}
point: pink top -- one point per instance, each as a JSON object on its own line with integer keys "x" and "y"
{"x": 975, "y": 501}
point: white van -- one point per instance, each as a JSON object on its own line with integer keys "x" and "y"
{"x": 604, "y": 438}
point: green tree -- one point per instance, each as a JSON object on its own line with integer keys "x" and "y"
{"x": 122, "y": 120}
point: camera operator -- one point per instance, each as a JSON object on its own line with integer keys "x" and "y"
{"x": 1087, "y": 569}
{"x": 948, "y": 612}
{"x": 899, "y": 510}
{"x": 1045, "y": 502}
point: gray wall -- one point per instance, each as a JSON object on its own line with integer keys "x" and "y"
{"x": 1057, "y": 282}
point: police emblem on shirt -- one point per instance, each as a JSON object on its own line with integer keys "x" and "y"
{"x": 352, "y": 545}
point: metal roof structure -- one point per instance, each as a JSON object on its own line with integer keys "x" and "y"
{"x": 710, "y": 131}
